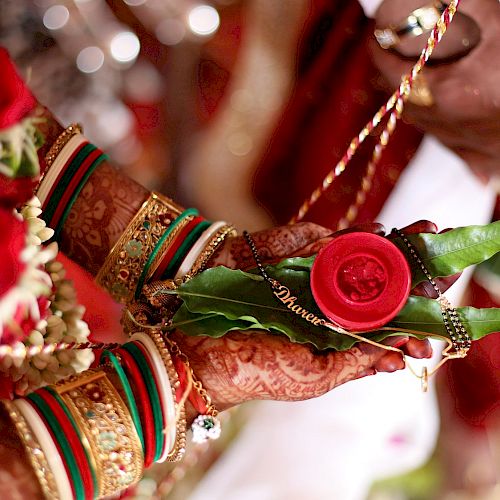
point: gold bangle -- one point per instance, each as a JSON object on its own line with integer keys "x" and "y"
{"x": 106, "y": 423}
{"x": 210, "y": 249}
{"x": 124, "y": 264}
{"x": 418, "y": 22}
{"x": 60, "y": 142}
{"x": 35, "y": 453}
{"x": 179, "y": 448}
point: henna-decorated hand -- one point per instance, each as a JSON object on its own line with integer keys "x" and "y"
{"x": 241, "y": 367}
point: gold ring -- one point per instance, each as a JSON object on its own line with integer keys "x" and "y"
{"x": 420, "y": 21}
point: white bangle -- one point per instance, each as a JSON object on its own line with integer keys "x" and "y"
{"x": 60, "y": 161}
{"x": 166, "y": 393}
{"x": 49, "y": 448}
{"x": 197, "y": 248}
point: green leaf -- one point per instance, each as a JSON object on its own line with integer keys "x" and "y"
{"x": 424, "y": 315}
{"x": 450, "y": 253}
{"x": 220, "y": 299}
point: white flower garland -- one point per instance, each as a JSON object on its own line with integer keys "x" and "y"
{"x": 44, "y": 277}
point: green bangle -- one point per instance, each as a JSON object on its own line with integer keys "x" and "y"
{"x": 190, "y": 240}
{"x": 154, "y": 253}
{"x": 56, "y": 196}
{"x": 134, "y": 412}
{"x": 63, "y": 443}
{"x": 71, "y": 202}
{"x": 154, "y": 396}
{"x": 62, "y": 404}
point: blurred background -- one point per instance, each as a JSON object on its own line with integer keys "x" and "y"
{"x": 183, "y": 93}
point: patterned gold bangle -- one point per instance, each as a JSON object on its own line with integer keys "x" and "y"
{"x": 180, "y": 441}
{"x": 35, "y": 453}
{"x": 124, "y": 264}
{"x": 212, "y": 246}
{"x": 60, "y": 142}
{"x": 106, "y": 423}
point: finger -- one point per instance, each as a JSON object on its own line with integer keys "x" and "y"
{"x": 421, "y": 226}
{"x": 366, "y": 227}
{"x": 312, "y": 248}
{"x": 390, "y": 362}
{"x": 418, "y": 349}
{"x": 425, "y": 289}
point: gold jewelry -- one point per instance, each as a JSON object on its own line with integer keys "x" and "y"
{"x": 210, "y": 249}
{"x": 124, "y": 264}
{"x": 60, "y": 142}
{"x": 420, "y": 21}
{"x": 106, "y": 423}
{"x": 179, "y": 448}
{"x": 421, "y": 94}
{"x": 35, "y": 453}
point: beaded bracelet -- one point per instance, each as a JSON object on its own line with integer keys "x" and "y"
{"x": 125, "y": 263}
{"x": 48, "y": 446}
{"x": 35, "y": 452}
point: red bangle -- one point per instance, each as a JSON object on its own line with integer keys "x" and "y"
{"x": 74, "y": 440}
{"x": 174, "y": 247}
{"x": 75, "y": 181}
{"x": 195, "y": 399}
{"x": 61, "y": 173}
{"x": 145, "y": 410}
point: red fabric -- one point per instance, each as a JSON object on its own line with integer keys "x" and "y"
{"x": 333, "y": 98}
{"x": 474, "y": 382}
{"x": 16, "y": 101}
{"x": 12, "y": 243}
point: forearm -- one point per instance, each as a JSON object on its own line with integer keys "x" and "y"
{"x": 102, "y": 210}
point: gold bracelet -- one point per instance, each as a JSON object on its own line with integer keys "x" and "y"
{"x": 180, "y": 440}
{"x": 124, "y": 264}
{"x": 210, "y": 249}
{"x": 35, "y": 453}
{"x": 106, "y": 423}
{"x": 60, "y": 142}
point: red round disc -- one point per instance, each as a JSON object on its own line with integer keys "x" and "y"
{"x": 360, "y": 281}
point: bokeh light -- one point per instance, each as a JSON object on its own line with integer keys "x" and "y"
{"x": 55, "y": 17}
{"x": 203, "y": 20}
{"x": 125, "y": 46}
{"x": 90, "y": 59}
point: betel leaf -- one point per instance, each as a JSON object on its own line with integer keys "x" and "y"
{"x": 220, "y": 300}
{"x": 450, "y": 253}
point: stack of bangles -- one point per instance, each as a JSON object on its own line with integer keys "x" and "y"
{"x": 83, "y": 439}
